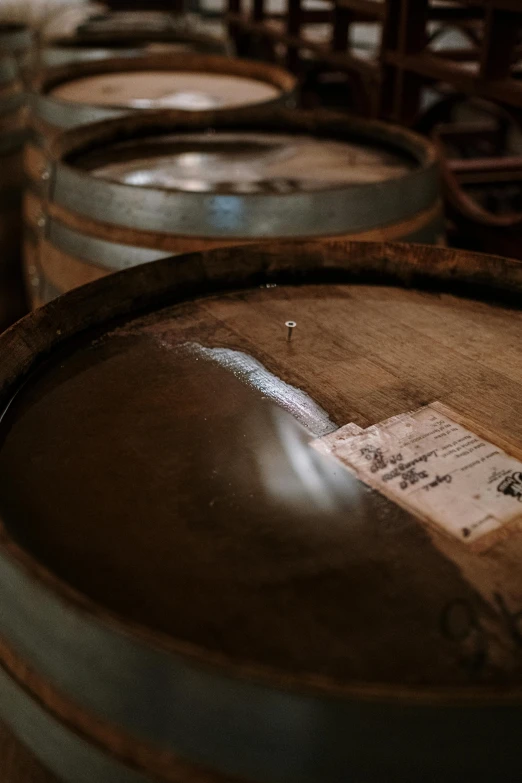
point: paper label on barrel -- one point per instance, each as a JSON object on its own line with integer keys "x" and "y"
{"x": 436, "y": 468}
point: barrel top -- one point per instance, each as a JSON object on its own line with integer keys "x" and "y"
{"x": 298, "y": 149}
{"x": 63, "y": 94}
{"x": 149, "y": 89}
{"x": 250, "y": 162}
{"x": 163, "y": 466}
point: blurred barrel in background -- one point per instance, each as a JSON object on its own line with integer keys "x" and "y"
{"x": 81, "y": 93}
{"x": 78, "y": 94}
{"x": 133, "y": 190}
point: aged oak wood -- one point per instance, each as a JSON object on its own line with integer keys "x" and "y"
{"x": 274, "y": 617}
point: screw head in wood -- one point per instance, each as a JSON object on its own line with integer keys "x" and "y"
{"x": 290, "y": 325}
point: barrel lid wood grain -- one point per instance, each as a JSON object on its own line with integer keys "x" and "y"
{"x": 270, "y": 85}
{"x": 270, "y": 610}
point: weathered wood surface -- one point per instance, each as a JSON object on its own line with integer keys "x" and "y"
{"x": 353, "y": 605}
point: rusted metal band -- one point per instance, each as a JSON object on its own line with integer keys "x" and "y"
{"x": 60, "y": 114}
{"x": 54, "y": 744}
{"x": 111, "y": 255}
{"x": 335, "y": 211}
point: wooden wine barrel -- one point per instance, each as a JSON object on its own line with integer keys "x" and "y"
{"x": 136, "y": 84}
{"x": 12, "y": 139}
{"x": 130, "y": 191}
{"x": 203, "y": 579}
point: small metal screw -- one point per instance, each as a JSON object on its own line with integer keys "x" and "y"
{"x": 290, "y": 325}
{"x": 41, "y": 222}
{"x": 45, "y": 175}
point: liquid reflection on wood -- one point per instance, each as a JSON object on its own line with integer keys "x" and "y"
{"x": 267, "y": 590}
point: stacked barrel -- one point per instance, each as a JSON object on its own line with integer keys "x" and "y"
{"x": 202, "y": 579}
{"x": 224, "y": 165}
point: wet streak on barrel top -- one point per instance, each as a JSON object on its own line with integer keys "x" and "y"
{"x": 161, "y": 485}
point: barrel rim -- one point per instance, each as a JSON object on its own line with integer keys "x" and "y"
{"x": 173, "y": 280}
{"x": 207, "y": 214}
{"x": 160, "y": 121}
